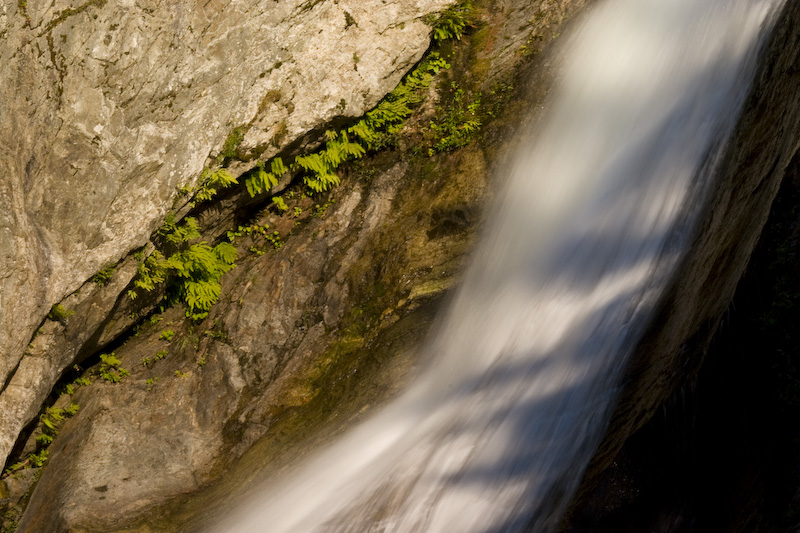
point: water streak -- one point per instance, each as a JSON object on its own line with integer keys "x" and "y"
{"x": 497, "y": 432}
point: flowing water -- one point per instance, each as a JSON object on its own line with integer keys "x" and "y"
{"x": 496, "y": 433}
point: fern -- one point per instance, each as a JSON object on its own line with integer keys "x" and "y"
{"x": 457, "y": 125}
{"x": 212, "y": 183}
{"x": 452, "y": 23}
{"x": 226, "y": 253}
{"x": 375, "y": 131}
{"x": 104, "y": 276}
{"x": 280, "y": 203}
{"x": 339, "y": 149}
{"x": 277, "y": 167}
{"x": 110, "y": 369}
{"x": 261, "y": 180}
{"x": 199, "y": 269}
{"x": 195, "y": 270}
{"x": 200, "y": 295}
{"x": 176, "y": 234}
{"x": 378, "y": 128}
{"x": 151, "y": 272}
{"x": 39, "y": 459}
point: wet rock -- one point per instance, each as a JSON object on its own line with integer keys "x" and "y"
{"x": 304, "y": 337}
{"x": 754, "y": 163}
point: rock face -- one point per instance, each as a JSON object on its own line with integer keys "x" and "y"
{"x": 297, "y": 328}
{"x": 124, "y": 102}
{"x": 110, "y": 106}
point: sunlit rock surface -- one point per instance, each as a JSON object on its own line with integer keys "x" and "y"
{"x": 110, "y": 106}
{"x": 345, "y": 294}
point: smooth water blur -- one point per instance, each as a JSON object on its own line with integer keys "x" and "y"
{"x": 496, "y": 434}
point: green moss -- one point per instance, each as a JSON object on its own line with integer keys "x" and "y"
{"x": 59, "y": 313}
{"x": 230, "y": 149}
{"x": 431, "y": 288}
{"x": 104, "y": 276}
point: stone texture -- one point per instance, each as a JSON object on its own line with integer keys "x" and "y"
{"x": 57, "y": 344}
{"x": 109, "y": 106}
{"x": 304, "y": 338}
{"x": 261, "y": 351}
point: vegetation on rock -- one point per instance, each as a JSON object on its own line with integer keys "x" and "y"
{"x": 192, "y": 272}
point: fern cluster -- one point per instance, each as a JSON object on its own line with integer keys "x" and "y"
{"x": 198, "y": 270}
{"x": 378, "y": 128}
{"x": 320, "y": 167}
{"x": 148, "y": 361}
{"x": 51, "y": 420}
{"x": 261, "y": 180}
{"x": 50, "y": 423}
{"x": 213, "y": 182}
{"x": 110, "y": 369}
{"x": 457, "y": 125}
{"x": 104, "y": 276}
{"x": 375, "y": 131}
{"x": 452, "y": 22}
{"x": 280, "y": 203}
{"x": 193, "y": 272}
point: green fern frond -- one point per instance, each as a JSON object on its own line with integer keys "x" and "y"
{"x": 201, "y": 295}
{"x": 184, "y": 232}
{"x": 363, "y": 131}
{"x": 226, "y": 252}
{"x": 110, "y": 359}
{"x": 213, "y": 183}
{"x": 280, "y": 203}
{"x": 222, "y": 179}
{"x": 452, "y": 23}
{"x": 278, "y": 168}
{"x": 313, "y": 163}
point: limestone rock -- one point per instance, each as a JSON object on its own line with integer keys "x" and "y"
{"x": 109, "y": 106}
{"x": 294, "y": 328}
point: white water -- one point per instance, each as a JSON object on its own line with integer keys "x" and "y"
{"x": 497, "y": 432}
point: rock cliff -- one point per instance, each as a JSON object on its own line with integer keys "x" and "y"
{"x": 111, "y": 107}
{"x": 147, "y": 97}
{"x": 126, "y": 103}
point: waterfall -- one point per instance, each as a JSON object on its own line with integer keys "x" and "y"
{"x": 526, "y": 366}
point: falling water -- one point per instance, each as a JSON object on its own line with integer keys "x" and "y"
{"x": 495, "y": 435}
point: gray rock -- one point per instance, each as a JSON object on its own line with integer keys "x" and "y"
{"x": 108, "y": 107}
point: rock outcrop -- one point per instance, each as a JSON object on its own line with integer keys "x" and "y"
{"x": 297, "y": 328}
{"x": 109, "y": 107}
{"x": 127, "y": 102}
